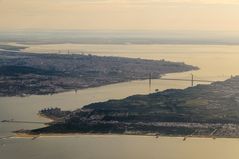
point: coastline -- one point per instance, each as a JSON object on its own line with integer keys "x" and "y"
{"x": 156, "y": 135}
{"x": 109, "y": 118}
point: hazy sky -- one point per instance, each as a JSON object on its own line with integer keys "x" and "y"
{"x": 120, "y": 14}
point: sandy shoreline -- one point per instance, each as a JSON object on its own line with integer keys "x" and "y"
{"x": 65, "y": 135}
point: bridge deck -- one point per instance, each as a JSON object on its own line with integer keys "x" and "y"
{"x": 178, "y": 79}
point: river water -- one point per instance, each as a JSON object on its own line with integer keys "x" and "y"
{"x": 215, "y": 62}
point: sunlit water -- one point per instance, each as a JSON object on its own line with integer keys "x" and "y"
{"x": 215, "y": 62}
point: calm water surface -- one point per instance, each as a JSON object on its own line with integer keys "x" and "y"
{"x": 216, "y": 63}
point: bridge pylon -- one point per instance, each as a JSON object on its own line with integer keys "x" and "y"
{"x": 192, "y": 80}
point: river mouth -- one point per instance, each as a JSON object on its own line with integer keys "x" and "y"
{"x": 215, "y": 63}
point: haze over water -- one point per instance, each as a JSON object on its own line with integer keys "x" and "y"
{"x": 216, "y": 62}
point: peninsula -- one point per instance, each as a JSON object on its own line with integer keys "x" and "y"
{"x": 23, "y": 74}
{"x": 201, "y": 111}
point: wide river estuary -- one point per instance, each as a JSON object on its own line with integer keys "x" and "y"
{"x": 216, "y": 62}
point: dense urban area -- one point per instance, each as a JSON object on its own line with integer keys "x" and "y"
{"x": 23, "y": 74}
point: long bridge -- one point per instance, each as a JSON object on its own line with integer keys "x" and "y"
{"x": 182, "y": 79}
{"x": 192, "y": 80}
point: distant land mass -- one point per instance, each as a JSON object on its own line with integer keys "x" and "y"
{"x": 119, "y": 37}
{"x": 201, "y": 111}
{"x": 11, "y": 47}
{"x": 23, "y": 74}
